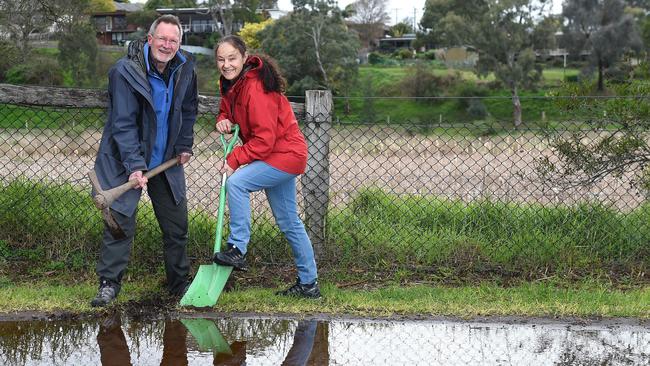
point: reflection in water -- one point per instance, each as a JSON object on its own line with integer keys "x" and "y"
{"x": 265, "y": 341}
{"x": 113, "y": 349}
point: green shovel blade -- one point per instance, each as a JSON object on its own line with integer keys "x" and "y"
{"x": 210, "y": 279}
{"x": 206, "y": 286}
{"x": 207, "y": 335}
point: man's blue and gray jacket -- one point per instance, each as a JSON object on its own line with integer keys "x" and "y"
{"x": 136, "y": 136}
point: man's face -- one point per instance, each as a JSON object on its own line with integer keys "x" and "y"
{"x": 164, "y": 42}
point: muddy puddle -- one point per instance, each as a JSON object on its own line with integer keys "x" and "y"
{"x": 241, "y": 340}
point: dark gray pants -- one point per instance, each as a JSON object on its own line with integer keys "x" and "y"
{"x": 172, "y": 219}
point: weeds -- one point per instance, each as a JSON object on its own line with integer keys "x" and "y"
{"x": 376, "y": 233}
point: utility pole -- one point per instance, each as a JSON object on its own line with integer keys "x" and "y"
{"x": 396, "y": 21}
{"x": 415, "y": 11}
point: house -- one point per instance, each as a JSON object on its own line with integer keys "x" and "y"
{"x": 195, "y": 21}
{"x": 388, "y": 43}
{"x": 112, "y": 27}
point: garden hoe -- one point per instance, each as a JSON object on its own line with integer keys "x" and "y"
{"x": 104, "y": 199}
{"x": 211, "y": 278}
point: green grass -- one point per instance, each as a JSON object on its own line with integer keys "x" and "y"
{"x": 379, "y": 229}
{"x": 540, "y": 299}
{"x": 55, "y": 228}
{"x": 52, "y": 234}
{"x": 386, "y": 82}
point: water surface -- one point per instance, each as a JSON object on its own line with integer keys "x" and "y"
{"x": 119, "y": 340}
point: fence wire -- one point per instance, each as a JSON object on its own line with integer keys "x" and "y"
{"x": 379, "y": 193}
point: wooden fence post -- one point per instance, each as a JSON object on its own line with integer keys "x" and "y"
{"x": 316, "y": 180}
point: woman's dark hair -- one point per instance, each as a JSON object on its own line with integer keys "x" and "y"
{"x": 272, "y": 79}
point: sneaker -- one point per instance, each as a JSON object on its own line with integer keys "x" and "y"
{"x": 309, "y": 291}
{"x": 107, "y": 293}
{"x": 231, "y": 257}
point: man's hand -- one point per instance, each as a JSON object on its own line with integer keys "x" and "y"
{"x": 224, "y": 126}
{"x": 183, "y": 158}
{"x": 225, "y": 168}
{"x": 140, "y": 178}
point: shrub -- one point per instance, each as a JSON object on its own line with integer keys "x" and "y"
{"x": 642, "y": 71}
{"x": 194, "y": 40}
{"x": 10, "y": 57}
{"x": 571, "y": 78}
{"x": 469, "y": 90}
{"x": 375, "y": 58}
{"x": 403, "y": 54}
{"x": 477, "y": 109}
{"x": 212, "y": 40}
{"x": 36, "y": 71}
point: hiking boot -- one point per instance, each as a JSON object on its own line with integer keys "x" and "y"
{"x": 308, "y": 291}
{"x": 107, "y": 293}
{"x": 231, "y": 257}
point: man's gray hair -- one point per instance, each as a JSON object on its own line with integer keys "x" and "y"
{"x": 167, "y": 18}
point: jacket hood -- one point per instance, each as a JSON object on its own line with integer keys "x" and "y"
{"x": 136, "y": 52}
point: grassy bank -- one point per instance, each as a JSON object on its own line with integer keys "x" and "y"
{"x": 538, "y": 299}
{"x": 55, "y": 228}
{"x": 387, "y": 255}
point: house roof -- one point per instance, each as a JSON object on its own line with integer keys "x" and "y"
{"x": 128, "y": 7}
{"x": 183, "y": 10}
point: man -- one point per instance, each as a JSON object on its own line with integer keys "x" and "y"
{"x": 151, "y": 114}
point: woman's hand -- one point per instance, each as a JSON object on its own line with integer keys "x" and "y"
{"x": 224, "y": 126}
{"x": 225, "y": 168}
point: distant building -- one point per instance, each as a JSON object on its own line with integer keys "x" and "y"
{"x": 112, "y": 27}
{"x": 388, "y": 43}
{"x": 195, "y": 21}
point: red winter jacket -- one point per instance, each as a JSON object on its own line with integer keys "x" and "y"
{"x": 267, "y": 125}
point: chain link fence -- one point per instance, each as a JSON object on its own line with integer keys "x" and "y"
{"x": 380, "y": 194}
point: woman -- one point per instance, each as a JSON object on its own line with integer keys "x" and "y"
{"x": 273, "y": 154}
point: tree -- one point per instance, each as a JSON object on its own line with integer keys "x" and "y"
{"x": 78, "y": 54}
{"x": 448, "y": 22}
{"x": 544, "y": 32}
{"x": 621, "y": 145}
{"x": 401, "y": 28}
{"x": 227, "y": 13}
{"x": 602, "y": 28}
{"x": 142, "y": 18}
{"x": 503, "y": 38}
{"x": 19, "y": 19}
{"x": 314, "y": 47}
{"x": 101, "y": 6}
{"x": 369, "y": 17}
{"x": 251, "y": 33}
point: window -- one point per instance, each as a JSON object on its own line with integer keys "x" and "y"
{"x": 116, "y": 38}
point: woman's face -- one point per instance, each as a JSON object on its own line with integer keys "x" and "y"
{"x": 230, "y": 61}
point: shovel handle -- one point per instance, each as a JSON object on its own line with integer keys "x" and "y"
{"x": 229, "y": 145}
{"x": 161, "y": 168}
{"x": 227, "y": 149}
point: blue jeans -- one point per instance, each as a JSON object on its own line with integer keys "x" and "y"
{"x": 280, "y": 189}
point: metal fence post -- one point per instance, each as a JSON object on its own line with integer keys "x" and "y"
{"x": 316, "y": 180}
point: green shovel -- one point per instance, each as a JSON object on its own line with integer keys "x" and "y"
{"x": 210, "y": 279}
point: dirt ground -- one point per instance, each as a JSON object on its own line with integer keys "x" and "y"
{"x": 466, "y": 168}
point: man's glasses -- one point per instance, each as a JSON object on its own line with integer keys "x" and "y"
{"x": 164, "y": 40}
